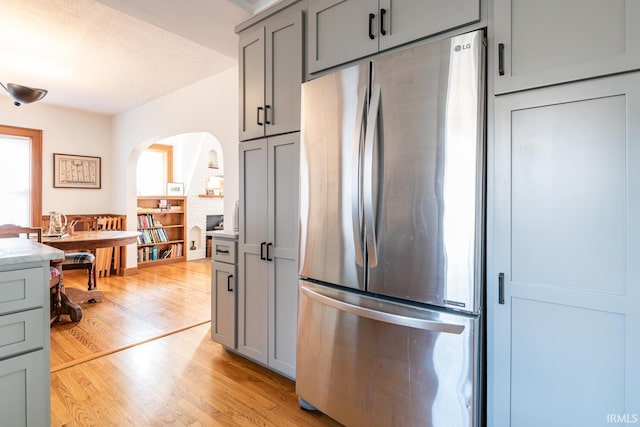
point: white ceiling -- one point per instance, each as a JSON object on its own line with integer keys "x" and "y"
{"x": 109, "y": 56}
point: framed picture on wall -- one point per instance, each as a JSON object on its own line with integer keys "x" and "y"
{"x": 72, "y": 171}
{"x": 175, "y": 189}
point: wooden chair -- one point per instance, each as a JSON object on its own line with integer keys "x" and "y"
{"x": 55, "y": 273}
{"x": 82, "y": 260}
{"x": 106, "y": 258}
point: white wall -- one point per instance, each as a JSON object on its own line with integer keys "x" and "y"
{"x": 210, "y": 105}
{"x": 67, "y": 131}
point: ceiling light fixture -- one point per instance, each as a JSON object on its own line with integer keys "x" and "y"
{"x": 23, "y": 94}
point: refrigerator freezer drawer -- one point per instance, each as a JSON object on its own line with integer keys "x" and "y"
{"x": 364, "y": 361}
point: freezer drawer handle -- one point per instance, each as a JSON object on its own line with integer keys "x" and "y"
{"x": 382, "y": 30}
{"x": 371, "y": 18}
{"x": 381, "y": 316}
{"x": 229, "y": 288}
{"x": 501, "y": 288}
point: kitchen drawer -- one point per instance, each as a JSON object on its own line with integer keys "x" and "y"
{"x": 21, "y": 289}
{"x": 21, "y": 332}
{"x": 225, "y": 250}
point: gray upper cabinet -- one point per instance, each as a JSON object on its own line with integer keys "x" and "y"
{"x": 340, "y": 31}
{"x": 540, "y": 43}
{"x": 270, "y": 76}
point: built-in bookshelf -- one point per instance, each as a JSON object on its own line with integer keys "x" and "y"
{"x": 162, "y": 225}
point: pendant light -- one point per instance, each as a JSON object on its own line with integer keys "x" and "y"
{"x": 23, "y": 94}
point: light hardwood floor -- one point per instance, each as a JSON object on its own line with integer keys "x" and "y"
{"x": 180, "y": 379}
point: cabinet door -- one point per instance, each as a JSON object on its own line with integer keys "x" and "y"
{"x": 564, "y": 229}
{"x": 339, "y": 32}
{"x": 283, "y": 251}
{"x": 253, "y": 238}
{"x": 283, "y": 74}
{"x": 24, "y": 387}
{"x": 223, "y": 304}
{"x": 548, "y": 41}
{"x": 408, "y": 20}
{"x": 251, "y": 56}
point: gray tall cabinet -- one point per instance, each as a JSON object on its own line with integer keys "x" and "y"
{"x": 563, "y": 281}
{"x": 267, "y": 292}
{"x": 271, "y": 69}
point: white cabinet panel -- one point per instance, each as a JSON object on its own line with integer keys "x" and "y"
{"x": 568, "y": 186}
{"x": 548, "y": 41}
{"x": 564, "y": 231}
{"x": 563, "y": 356}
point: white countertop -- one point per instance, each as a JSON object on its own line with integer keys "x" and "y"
{"x": 18, "y": 251}
{"x": 224, "y": 234}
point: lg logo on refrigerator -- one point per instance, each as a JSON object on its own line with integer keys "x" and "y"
{"x": 460, "y": 47}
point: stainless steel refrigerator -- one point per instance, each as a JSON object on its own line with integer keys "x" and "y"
{"x": 391, "y": 249}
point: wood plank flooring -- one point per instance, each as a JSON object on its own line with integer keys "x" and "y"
{"x": 181, "y": 379}
{"x": 153, "y": 302}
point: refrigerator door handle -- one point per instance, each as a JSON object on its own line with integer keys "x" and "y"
{"x": 383, "y": 316}
{"x": 356, "y": 198}
{"x": 368, "y": 176}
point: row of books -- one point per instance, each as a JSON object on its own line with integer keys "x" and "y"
{"x": 145, "y": 221}
{"x": 152, "y": 253}
{"x": 152, "y": 235}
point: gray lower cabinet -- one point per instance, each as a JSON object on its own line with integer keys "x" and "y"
{"x": 340, "y": 31}
{"x": 548, "y": 42}
{"x": 224, "y": 277}
{"x": 270, "y": 59}
{"x": 24, "y": 344}
{"x": 563, "y": 286}
{"x": 267, "y": 251}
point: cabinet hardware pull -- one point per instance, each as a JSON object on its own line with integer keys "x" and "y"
{"x": 501, "y": 59}
{"x": 259, "y": 122}
{"x": 501, "y": 288}
{"x": 262, "y": 245}
{"x": 266, "y": 114}
{"x": 222, "y": 251}
{"x": 382, "y": 30}
{"x": 268, "y": 246}
{"x": 371, "y": 18}
{"x": 229, "y": 277}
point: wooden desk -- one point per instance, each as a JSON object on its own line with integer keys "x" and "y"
{"x": 87, "y": 240}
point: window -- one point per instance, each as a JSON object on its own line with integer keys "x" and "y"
{"x": 155, "y": 170}
{"x": 21, "y": 176}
